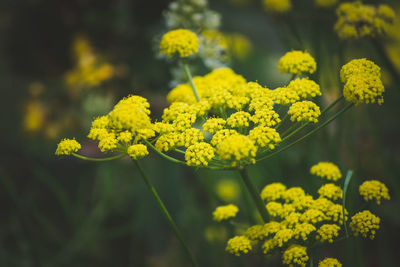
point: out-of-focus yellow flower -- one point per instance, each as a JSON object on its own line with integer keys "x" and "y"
{"x": 34, "y": 117}
{"x": 277, "y": 6}
{"x": 228, "y": 190}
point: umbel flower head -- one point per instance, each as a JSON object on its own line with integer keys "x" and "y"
{"x": 181, "y": 42}
{"x": 363, "y": 83}
{"x": 326, "y": 170}
{"x": 329, "y": 262}
{"x": 225, "y": 212}
{"x": 356, "y": 20}
{"x": 374, "y": 189}
{"x": 67, "y": 146}
{"x": 297, "y": 62}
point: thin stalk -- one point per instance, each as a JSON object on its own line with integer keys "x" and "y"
{"x": 254, "y": 194}
{"x": 189, "y": 75}
{"x": 345, "y": 188}
{"x": 162, "y": 154}
{"x": 98, "y": 159}
{"x": 326, "y": 109}
{"x": 166, "y": 213}
{"x": 308, "y": 134}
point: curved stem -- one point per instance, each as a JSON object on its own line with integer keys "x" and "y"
{"x": 162, "y": 154}
{"x": 98, "y": 159}
{"x": 189, "y": 75}
{"x": 254, "y": 194}
{"x": 308, "y": 134}
{"x": 166, "y": 213}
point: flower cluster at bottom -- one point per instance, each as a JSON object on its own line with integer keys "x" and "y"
{"x": 300, "y": 221}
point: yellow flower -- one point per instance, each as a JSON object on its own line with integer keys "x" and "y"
{"x": 225, "y": 212}
{"x": 285, "y": 96}
{"x": 297, "y": 62}
{"x": 182, "y": 42}
{"x": 238, "y": 245}
{"x": 213, "y": 125}
{"x": 239, "y": 119}
{"x": 365, "y": 223}
{"x": 264, "y": 136}
{"x": 228, "y": 190}
{"x": 327, "y": 232}
{"x": 256, "y": 232}
{"x": 326, "y": 170}
{"x": 277, "y": 6}
{"x": 199, "y": 154}
{"x": 356, "y": 20}
{"x": 305, "y": 87}
{"x": 137, "y": 151}
{"x": 359, "y": 66}
{"x": 237, "y": 148}
{"x": 303, "y": 230}
{"x": 292, "y": 194}
{"x": 374, "y": 189}
{"x": 283, "y": 236}
{"x": 329, "y": 262}
{"x": 67, "y": 147}
{"x": 304, "y": 111}
{"x": 125, "y": 136}
{"x": 295, "y": 255}
{"x": 268, "y": 245}
{"x": 107, "y": 142}
{"x": 330, "y": 191}
{"x": 364, "y": 88}
{"x": 273, "y": 191}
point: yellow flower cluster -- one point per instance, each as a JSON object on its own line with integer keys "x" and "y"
{"x": 327, "y": 232}
{"x": 304, "y": 111}
{"x": 295, "y": 255}
{"x": 244, "y": 118}
{"x": 225, "y": 212}
{"x": 137, "y": 151}
{"x": 365, "y": 223}
{"x": 374, "y": 189}
{"x": 330, "y": 191}
{"x": 67, "y": 147}
{"x": 179, "y": 42}
{"x": 273, "y": 192}
{"x": 199, "y": 154}
{"x": 90, "y": 70}
{"x": 277, "y": 6}
{"x": 356, "y": 20}
{"x": 238, "y": 245}
{"x": 329, "y": 262}
{"x": 326, "y": 170}
{"x": 325, "y": 3}
{"x": 297, "y": 62}
{"x": 362, "y": 80}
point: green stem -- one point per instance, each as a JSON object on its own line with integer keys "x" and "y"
{"x": 189, "y": 75}
{"x": 345, "y": 188}
{"x": 166, "y": 213}
{"x": 326, "y": 109}
{"x": 308, "y": 134}
{"x": 98, "y": 159}
{"x": 254, "y": 194}
{"x": 162, "y": 154}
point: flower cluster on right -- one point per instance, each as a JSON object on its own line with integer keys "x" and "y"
{"x": 300, "y": 221}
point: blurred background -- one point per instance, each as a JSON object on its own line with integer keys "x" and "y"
{"x": 62, "y": 63}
